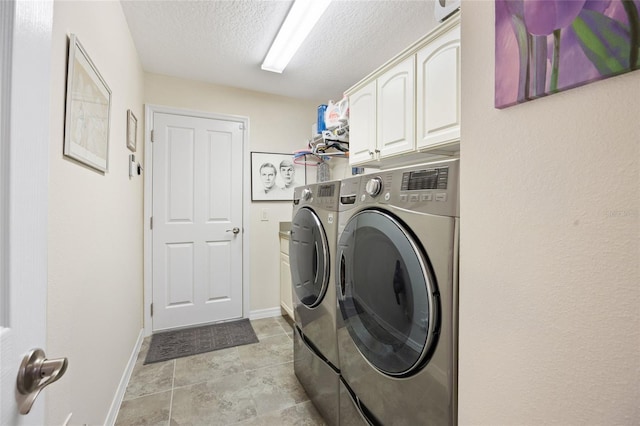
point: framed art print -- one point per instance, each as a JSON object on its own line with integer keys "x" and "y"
{"x": 274, "y": 176}
{"x": 546, "y": 47}
{"x": 87, "y": 112}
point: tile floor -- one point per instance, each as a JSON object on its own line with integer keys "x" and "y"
{"x": 245, "y": 385}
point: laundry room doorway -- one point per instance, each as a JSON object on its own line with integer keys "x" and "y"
{"x": 196, "y": 204}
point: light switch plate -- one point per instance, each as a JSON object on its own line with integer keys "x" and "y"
{"x": 264, "y": 215}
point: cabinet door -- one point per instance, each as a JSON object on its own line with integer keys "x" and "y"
{"x": 286, "y": 298}
{"x": 438, "y": 85}
{"x": 362, "y": 124}
{"x": 396, "y": 109}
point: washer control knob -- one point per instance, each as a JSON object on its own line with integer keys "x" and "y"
{"x": 306, "y": 194}
{"x": 373, "y": 186}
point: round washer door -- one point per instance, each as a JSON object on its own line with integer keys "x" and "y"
{"x": 387, "y": 293}
{"x": 309, "y": 258}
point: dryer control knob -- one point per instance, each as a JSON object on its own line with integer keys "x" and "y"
{"x": 306, "y": 194}
{"x": 373, "y": 186}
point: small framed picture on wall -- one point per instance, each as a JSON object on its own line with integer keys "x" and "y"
{"x": 132, "y": 131}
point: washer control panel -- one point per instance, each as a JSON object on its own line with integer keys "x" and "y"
{"x": 323, "y": 195}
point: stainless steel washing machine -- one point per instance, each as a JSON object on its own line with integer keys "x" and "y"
{"x": 312, "y": 252}
{"x": 397, "y": 290}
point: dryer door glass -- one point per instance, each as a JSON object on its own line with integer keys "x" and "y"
{"x": 309, "y": 257}
{"x": 387, "y": 293}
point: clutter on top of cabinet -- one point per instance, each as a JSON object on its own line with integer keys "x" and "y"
{"x": 331, "y": 116}
{"x": 337, "y": 114}
{"x": 331, "y": 137}
{"x": 321, "y": 126}
{"x": 320, "y": 150}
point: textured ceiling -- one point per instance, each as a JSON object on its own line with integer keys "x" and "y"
{"x": 225, "y": 41}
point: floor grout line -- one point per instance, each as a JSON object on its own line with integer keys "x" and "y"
{"x": 173, "y": 382}
{"x": 147, "y": 394}
{"x": 267, "y": 366}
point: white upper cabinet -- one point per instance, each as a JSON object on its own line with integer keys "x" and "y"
{"x": 362, "y": 124}
{"x": 396, "y": 109}
{"x": 408, "y": 110}
{"x": 438, "y": 89}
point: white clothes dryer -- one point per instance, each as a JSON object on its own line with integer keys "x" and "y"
{"x": 397, "y": 290}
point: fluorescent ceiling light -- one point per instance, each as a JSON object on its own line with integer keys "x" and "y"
{"x": 302, "y": 17}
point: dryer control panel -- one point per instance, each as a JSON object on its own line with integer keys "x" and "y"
{"x": 416, "y": 180}
{"x": 427, "y": 188}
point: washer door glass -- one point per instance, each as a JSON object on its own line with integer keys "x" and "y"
{"x": 309, "y": 257}
{"x": 386, "y": 292}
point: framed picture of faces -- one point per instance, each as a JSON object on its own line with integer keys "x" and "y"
{"x": 274, "y": 175}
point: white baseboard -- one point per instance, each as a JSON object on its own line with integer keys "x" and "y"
{"x": 265, "y": 313}
{"x": 124, "y": 381}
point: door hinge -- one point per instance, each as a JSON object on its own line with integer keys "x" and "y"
{"x": 241, "y": 126}
{"x": 152, "y": 309}
{"x": 151, "y": 222}
{"x": 151, "y": 135}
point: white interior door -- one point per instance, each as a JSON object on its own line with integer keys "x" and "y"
{"x": 25, "y": 66}
{"x": 197, "y": 220}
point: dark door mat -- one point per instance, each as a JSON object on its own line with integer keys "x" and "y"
{"x": 191, "y": 341}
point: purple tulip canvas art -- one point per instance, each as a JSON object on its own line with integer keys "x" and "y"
{"x": 546, "y": 46}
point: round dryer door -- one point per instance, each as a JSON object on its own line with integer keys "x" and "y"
{"x": 309, "y": 257}
{"x": 387, "y": 293}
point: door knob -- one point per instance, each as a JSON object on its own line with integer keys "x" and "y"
{"x": 235, "y": 230}
{"x": 35, "y": 373}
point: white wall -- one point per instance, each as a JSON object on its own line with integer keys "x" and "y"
{"x": 276, "y": 124}
{"x": 550, "y": 231}
{"x": 95, "y": 225}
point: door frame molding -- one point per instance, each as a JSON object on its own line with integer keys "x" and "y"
{"x": 151, "y": 109}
